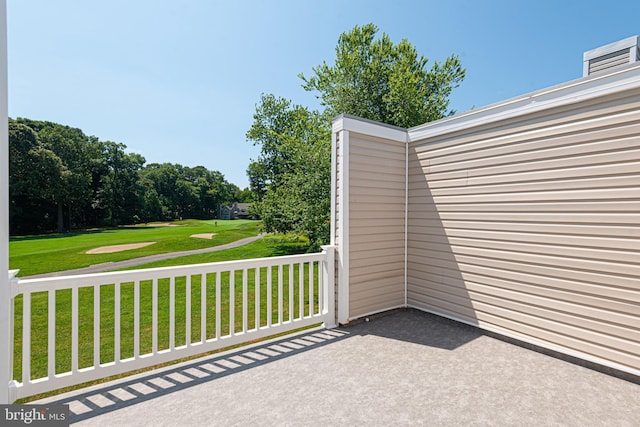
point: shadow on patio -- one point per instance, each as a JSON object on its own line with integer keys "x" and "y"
{"x": 402, "y": 368}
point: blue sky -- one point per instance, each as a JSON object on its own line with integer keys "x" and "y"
{"x": 178, "y": 81}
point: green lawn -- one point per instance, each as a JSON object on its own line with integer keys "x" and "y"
{"x": 56, "y": 252}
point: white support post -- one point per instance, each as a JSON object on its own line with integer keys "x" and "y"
{"x": 6, "y": 297}
{"x": 343, "y": 229}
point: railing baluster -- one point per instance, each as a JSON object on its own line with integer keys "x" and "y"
{"x": 203, "y": 308}
{"x": 96, "y": 325}
{"x": 311, "y": 283}
{"x": 232, "y": 302}
{"x": 218, "y": 304}
{"x": 269, "y": 295}
{"x": 245, "y": 300}
{"x": 116, "y": 323}
{"x": 74, "y": 330}
{"x": 256, "y": 290}
{"x": 26, "y": 337}
{"x": 172, "y": 313}
{"x": 154, "y": 317}
{"x": 291, "y": 285}
{"x": 301, "y": 290}
{"x": 321, "y": 287}
{"x": 280, "y": 280}
{"x": 136, "y": 319}
{"x": 187, "y": 335}
{"x": 52, "y": 334}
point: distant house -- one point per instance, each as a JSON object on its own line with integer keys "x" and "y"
{"x": 235, "y": 211}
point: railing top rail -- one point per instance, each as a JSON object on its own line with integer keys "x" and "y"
{"x": 66, "y": 282}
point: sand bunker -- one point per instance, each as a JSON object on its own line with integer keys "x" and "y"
{"x": 161, "y": 224}
{"x": 118, "y": 248}
{"x": 204, "y": 235}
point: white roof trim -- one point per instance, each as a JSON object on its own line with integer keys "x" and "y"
{"x": 369, "y": 127}
{"x": 625, "y": 78}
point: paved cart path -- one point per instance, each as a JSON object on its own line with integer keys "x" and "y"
{"x": 116, "y": 265}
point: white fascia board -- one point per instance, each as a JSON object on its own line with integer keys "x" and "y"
{"x": 369, "y": 127}
{"x": 569, "y": 93}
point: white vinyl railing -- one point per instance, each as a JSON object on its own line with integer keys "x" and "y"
{"x": 73, "y": 329}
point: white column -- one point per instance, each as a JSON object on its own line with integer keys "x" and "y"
{"x": 6, "y": 347}
{"x": 343, "y": 229}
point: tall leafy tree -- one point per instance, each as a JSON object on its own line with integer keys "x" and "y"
{"x": 379, "y": 80}
{"x": 372, "y": 78}
{"x": 37, "y": 179}
{"x": 71, "y": 145}
{"x": 120, "y": 195}
{"x": 162, "y": 179}
{"x": 293, "y": 169}
{"x": 258, "y": 177}
{"x": 174, "y": 191}
{"x": 243, "y": 196}
{"x": 211, "y": 191}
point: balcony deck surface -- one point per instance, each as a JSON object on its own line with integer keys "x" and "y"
{"x": 402, "y": 368}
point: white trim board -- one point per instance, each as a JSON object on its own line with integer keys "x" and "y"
{"x": 583, "y": 89}
{"x": 369, "y": 127}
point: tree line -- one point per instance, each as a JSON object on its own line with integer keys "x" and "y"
{"x": 61, "y": 179}
{"x": 372, "y": 78}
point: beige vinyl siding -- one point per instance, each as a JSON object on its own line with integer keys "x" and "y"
{"x": 376, "y": 224}
{"x": 531, "y": 227}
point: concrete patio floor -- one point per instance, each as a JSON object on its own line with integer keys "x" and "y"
{"x": 402, "y": 368}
